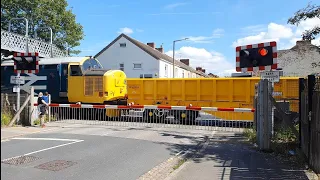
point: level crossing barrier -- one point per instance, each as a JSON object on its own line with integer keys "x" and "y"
{"x": 206, "y": 118}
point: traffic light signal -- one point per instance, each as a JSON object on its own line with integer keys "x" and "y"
{"x": 262, "y": 56}
{"x": 26, "y": 62}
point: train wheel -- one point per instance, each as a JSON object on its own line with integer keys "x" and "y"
{"x": 155, "y": 115}
{"x": 148, "y": 115}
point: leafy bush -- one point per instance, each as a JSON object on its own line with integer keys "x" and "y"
{"x": 6, "y": 117}
{"x": 250, "y": 134}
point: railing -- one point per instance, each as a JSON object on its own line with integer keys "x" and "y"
{"x": 18, "y": 43}
{"x": 206, "y": 118}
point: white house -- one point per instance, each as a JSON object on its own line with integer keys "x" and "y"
{"x": 301, "y": 60}
{"x": 139, "y": 60}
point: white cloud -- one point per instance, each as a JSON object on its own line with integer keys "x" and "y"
{"x": 316, "y": 41}
{"x": 308, "y": 24}
{"x": 174, "y": 5}
{"x": 217, "y": 33}
{"x": 285, "y": 35}
{"x": 200, "y": 39}
{"x": 125, "y": 30}
{"x": 213, "y": 62}
{"x": 254, "y": 28}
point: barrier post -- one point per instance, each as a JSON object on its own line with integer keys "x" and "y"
{"x": 49, "y": 108}
{"x": 31, "y": 111}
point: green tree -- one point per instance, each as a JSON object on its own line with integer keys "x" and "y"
{"x": 67, "y": 33}
{"x": 311, "y": 11}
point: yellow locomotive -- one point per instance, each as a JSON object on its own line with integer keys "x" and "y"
{"x": 94, "y": 85}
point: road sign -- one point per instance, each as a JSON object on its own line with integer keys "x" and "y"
{"x": 17, "y": 80}
{"x": 272, "y": 76}
{"x": 16, "y": 89}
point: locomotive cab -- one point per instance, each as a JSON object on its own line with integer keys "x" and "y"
{"x": 89, "y": 83}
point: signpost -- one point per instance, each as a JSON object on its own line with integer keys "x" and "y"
{"x": 23, "y": 63}
{"x": 263, "y": 58}
{"x": 17, "y": 80}
{"x": 272, "y": 76}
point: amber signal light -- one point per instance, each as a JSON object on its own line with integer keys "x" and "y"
{"x": 263, "y": 52}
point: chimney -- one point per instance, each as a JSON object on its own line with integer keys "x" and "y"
{"x": 185, "y": 61}
{"x": 203, "y": 70}
{"x": 151, "y": 44}
{"x": 303, "y": 42}
{"x": 199, "y": 68}
{"x": 160, "y": 49}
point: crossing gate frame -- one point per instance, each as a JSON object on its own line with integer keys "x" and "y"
{"x": 135, "y": 116}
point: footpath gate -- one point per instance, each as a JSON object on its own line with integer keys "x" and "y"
{"x": 206, "y": 118}
{"x": 310, "y": 120}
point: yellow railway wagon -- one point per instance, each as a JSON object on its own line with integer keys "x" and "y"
{"x": 209, "y": 92}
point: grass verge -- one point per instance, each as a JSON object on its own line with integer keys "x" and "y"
{"x": 180, "y": 162}
{"x": 46, "y": 119}
{"x": 283, "y": 144}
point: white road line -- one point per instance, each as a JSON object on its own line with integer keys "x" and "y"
{"x": 34, "y": 152}
{"x": 47, "y": 139}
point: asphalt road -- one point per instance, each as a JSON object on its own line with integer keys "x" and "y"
{"x": 94, "y": 152}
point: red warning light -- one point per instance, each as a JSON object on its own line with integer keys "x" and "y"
{"x": 263, "y": 52}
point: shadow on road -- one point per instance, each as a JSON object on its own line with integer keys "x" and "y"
{"x": 231, "y": 157}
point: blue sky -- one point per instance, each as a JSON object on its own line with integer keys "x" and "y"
{"x": 214, "y": 27}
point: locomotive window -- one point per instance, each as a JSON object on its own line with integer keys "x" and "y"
{"x": 75, "y": 70}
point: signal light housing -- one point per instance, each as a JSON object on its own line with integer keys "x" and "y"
{"x": 26, "y": 62}
{"x": 254, "y": 57}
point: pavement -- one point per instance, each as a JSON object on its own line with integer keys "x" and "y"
{"x": 228, "y": 156}
{"x": 11, "y": 132}
{"x": 81, "y": 151}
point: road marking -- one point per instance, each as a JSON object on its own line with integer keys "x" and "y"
{"x": 35, "y": 132}
{"x": 47, "y": 139}
{"x": 41, "y": 150}
{"x": 6, "y": 140}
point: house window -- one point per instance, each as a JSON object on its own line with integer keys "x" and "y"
{"x": 146, "y": 76}
{"x": 166, "y": 70}
{"x": 137, "y": 65}
{"x": 121, "y": 66}
{"x": 123, "y": 45}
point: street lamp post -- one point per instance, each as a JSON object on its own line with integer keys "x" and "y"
{"x": 27, "y": 28}
{"x": 174, "y": 42}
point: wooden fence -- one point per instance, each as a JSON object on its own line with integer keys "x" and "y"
{"x": 8, "y": 106}
{"x": 310, "y": 120}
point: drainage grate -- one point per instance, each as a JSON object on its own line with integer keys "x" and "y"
{"x": 56, "y": 165}
{"x": 20, "y": 160}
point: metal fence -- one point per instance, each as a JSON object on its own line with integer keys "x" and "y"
{"x": 310, "y": 120}
{"x": 207, "y": 118}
